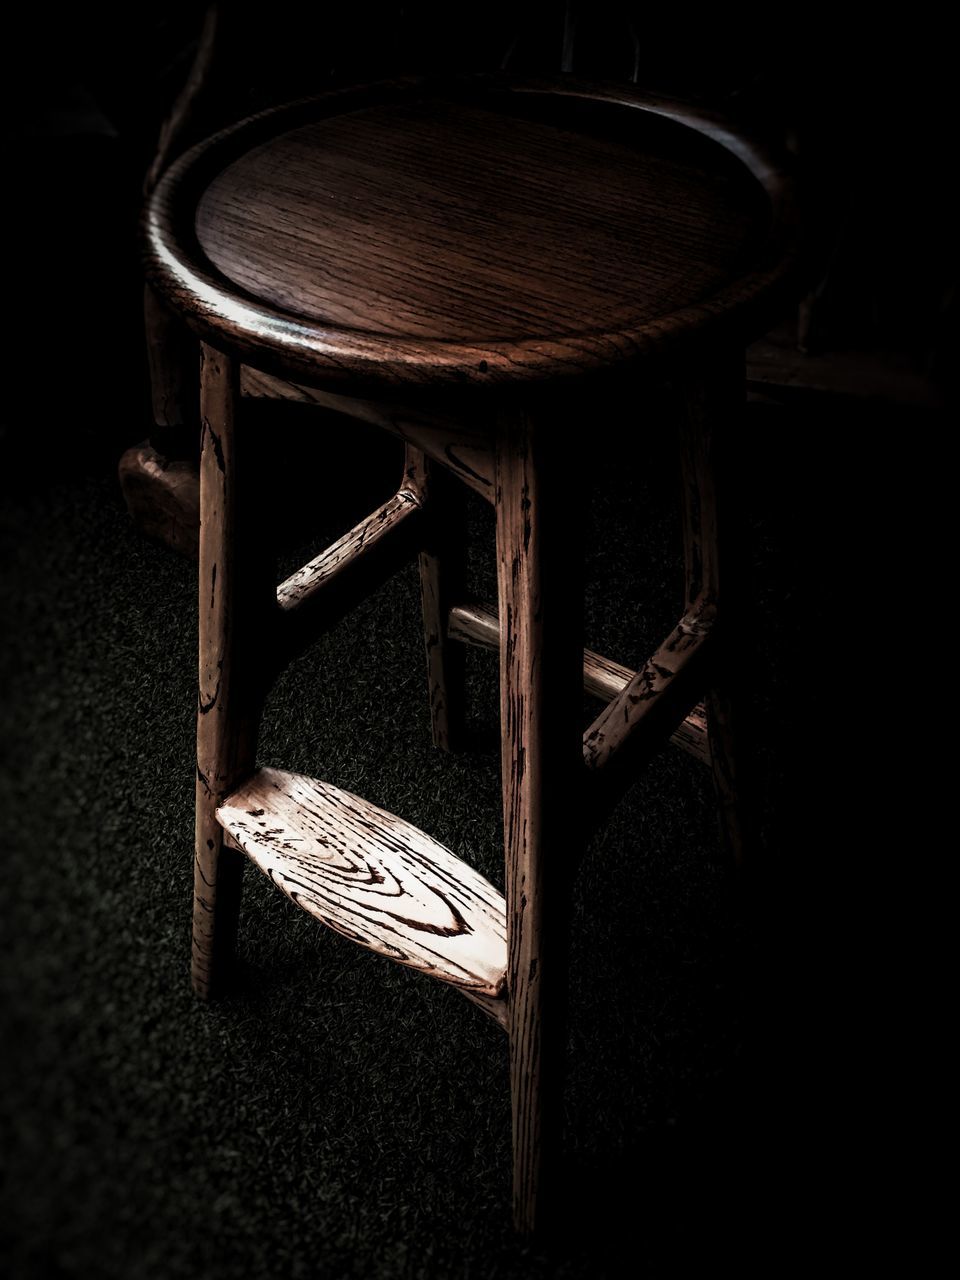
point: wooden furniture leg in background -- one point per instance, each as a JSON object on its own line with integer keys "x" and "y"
{"x": 235, "y": 592}
{"x": 713, "y": 398}
{"x": 172, "y": 358}
{"x": 158, "y": 476}
{"x": 442, "y": 581}
{"x": 541, "y": 692}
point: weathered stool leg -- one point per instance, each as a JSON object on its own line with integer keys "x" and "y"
{"x": 541, "y": 692}
{"x": 442, "y": 576}
{"x": 172, "y": 361}
{"x": 229, "y": 691}
{"x": 158, "y": 476}
{"x": 713, "y": 404}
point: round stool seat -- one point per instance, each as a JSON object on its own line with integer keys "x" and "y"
{"x": 469, "y": 231}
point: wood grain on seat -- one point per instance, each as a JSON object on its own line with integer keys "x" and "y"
{"x": 444, "y": 220}
{"x": 416, "y": 234}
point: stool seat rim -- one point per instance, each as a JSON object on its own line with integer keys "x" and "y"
{"x": 278, "y": 340}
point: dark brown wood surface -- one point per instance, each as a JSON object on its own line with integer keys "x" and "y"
{"x": 445, "y": 220}
{"x": 236, "y": 595}
{"x": 486, "y": 231}
{"x": 540, "y": 597}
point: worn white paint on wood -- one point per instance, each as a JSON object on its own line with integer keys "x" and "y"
{"x": 339, "y": 558}
{"x": 642, "y": 712}
{"x": 372, "y": 877}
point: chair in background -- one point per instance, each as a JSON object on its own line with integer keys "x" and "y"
{"x": 480, "y": 266}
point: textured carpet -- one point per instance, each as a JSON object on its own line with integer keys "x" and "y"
{"x": 338, "y": 1115}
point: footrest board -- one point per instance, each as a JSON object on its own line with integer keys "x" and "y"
{"x": 372, "y": 877}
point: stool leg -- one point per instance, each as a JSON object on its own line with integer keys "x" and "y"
{"x": 541, "y": 693}
{"x": 713, "y": 405}
{"x": 172, "y": 361}
{"x": 229, "y": 702}
{"x": 442, "y": 577}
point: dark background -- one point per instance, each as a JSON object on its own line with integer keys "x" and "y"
{"x": 739, "y": 1059}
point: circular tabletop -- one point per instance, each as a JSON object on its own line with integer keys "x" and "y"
{"x": 467, "y": 231}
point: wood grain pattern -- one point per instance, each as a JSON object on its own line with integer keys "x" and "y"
{"x": 233, "y": 594}
{"x": 602, "y": 678}
{"x": 317, "y": 577}
{"x": 415, "y": 219}
{"x": 483, "y": 231}
{"x": 467, "y": 452}
{"x": 318, "y": 594}
{"x": 647, "y": 710}
{"x": 494, "y": 1006}
{"x": 372, "y": 877}
{"x": 541, "y": 661}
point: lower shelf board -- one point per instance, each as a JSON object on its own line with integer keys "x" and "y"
{"x": 373, "y": 878}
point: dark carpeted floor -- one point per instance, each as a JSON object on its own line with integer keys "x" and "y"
{"x": 340, "y": 1116}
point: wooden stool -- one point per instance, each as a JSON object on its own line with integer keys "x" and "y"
{"x": 479, "y": 266}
